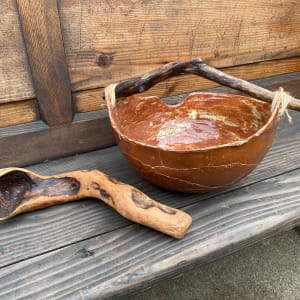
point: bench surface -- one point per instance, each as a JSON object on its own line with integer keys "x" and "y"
{"x": 85, "y": 250}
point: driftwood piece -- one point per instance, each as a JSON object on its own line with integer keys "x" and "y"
{"x": 197, "y": 67}
{"x": 23, "y": 191}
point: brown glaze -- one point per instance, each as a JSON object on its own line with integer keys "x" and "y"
{"x": 206, "y": 142}
{"x": 200, "y": 121}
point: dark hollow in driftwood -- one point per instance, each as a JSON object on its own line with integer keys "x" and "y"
{"x": 23, "y": 191}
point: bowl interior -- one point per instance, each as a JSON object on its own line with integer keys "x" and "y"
{"x": 200, "y": 121}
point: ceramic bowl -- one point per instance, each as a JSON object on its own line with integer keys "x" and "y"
{"x": 207, "y": 142}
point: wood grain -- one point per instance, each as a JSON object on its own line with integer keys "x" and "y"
{"x": 88, "y": 131}
{"x": 53, "y": 228}
{"x": 133, "y": 257}
{"x": 151, "y": 39}
{"x": 23, "y": 191}
{"x": 92, "y": 99}
{"x": 14, "y": 113}
{"x": 45, "y": 50}
{"x": 89, "y": 100}
{"x": 108, "y": 41}
{"x": 15, "y": 77}
{"x": 197, "y": 67}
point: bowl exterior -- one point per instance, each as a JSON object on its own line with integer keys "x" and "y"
{"x": 198, "y": 171}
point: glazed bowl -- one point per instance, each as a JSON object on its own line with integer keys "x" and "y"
{"x": 206, "y": 142}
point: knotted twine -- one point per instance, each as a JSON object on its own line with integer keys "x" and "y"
{"x": 284, "y": 99}
{"x": 110, "y": 94}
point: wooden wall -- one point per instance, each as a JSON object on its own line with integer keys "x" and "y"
{"x": 57, "y": 56}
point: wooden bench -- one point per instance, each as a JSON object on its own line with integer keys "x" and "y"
{"x": 56, "y": 58}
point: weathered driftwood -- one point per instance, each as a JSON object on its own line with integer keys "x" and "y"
{"x": 197, "y": 67}
{"x": 22, "y": 191}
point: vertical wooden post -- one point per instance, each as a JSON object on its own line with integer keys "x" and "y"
{"x": 43, "y": 40}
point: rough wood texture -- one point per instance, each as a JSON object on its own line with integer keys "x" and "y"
{"x": 15, "y": 77}
{"x": 150, "y": 38}
{"x": 20, "y": 112}
{"x": 88, "y": 131}
{"x": 196, "y": 67}
{"x": 92, "y": 99}
{"x": 121, "y": 258}
{"x": 108, "y": 41}
{"x": 43, "y": 40}
{"x": 22, "y": 191}
{"x": 89, "y": 100}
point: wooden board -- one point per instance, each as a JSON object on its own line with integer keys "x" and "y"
{"x": 14, "y": 113}
{"x": 107, "y": 41}
{"x": 54, "y": 227}
{"x": 100, "y": 49}
{"x": 92, "y": 99}
{"x": 15, "y": 78}
{"x": 89, "y": 100}
{"x": 26, "y": 111}
{"x": 45, "y": 50}
{"x": 88, "y": 131}
{"x": 45, "y": 256}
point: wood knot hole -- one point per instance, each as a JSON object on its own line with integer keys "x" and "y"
{"x": 105, "y": 59}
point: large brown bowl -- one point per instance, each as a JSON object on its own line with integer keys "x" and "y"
{"x": 206, "y": 142}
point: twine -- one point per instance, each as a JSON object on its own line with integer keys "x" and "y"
{"x": 284, "y": 99}
{"x": 110, "y": 94}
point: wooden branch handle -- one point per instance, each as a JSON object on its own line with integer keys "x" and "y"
{"x": 23, "y": 191}
{"x": 197, "y": 67}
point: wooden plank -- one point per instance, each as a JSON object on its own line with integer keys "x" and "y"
{"x": 53, "y": 228}
{"x": 88, "y": 132}
{"x": 89, "y": 100}
{"x": 20, "y": 112}
{"x": 15, "y": 77}
{"x": 92, "y": 99}
{"x": 133, "y": 257}
{"x": 45, "y": 50}
{"x": 106, "y": 42}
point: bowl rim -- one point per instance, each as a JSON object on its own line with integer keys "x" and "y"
{"x": 274, "y": 114}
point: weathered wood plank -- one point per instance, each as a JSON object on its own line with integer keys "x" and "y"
{"x": 109, "y": 41}
{"x": 14, "y": 113}
{"x": 89, "y": 100}
{"x": 15, "y": 77}
{"x": 88, "y": 44}
{"x": 134, "y": 257}
{"x": 53, "y": 228}
{"x": 92, "y": 99}
{"x": 88, "y": 132}
{"x": 45, "y": 50}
